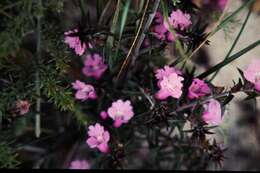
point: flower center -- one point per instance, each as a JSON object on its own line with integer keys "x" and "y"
{"x": 119, "y": 114}
{"x": 170, "y": 86}
{"x": 100, "y": 138}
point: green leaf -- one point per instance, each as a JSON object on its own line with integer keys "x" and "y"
{"x": 235, "y": 42}
{"x": 122, "y": 24}
{"x": 229, "y": 60}
{"x": 110, "y": 39}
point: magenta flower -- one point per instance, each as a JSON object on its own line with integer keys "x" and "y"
{"x": 178, "y": 19}
{"x": 170, "y": 86}
{"x": 79, "y": 164}
{"x": 212, "y": 112}
{"x": 22, "y": 106}
{"x": 158, "y": 28}
{"x": 94, "y": 66}
{"x": 75, "y": 43}
{"x": 121, "y": 112}
{"x": 160, "y": 32}
{"x": 98, "y": 138}
{"x": 103, "y": 115}
{"x": 84, "y": 91}
{"x": 198, "y": 89}
{"x": 252, "y": 73}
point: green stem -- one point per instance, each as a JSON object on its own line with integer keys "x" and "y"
{"x": 229, "y": 60}
{"x": 234, "y": 43}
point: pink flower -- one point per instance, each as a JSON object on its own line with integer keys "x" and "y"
{"x": 170, "y": 86}
{"x": 178, "y": 19}
{"x": 103, "y": 115}
{"x": 22, "y": 106}
{"x": 98, "y": 138}
{"x": 165, "y": 72}
{"x": 198, "y": 88}
{"x": 121, "y": 112}
{"x": 94, "y": 66}
{"x": 75, "y": 43}
{"x": 84, "y": 91}
{"x": 79, "y": 164}
{"x": 252, "y": 73}
{"x": 212, "y": 112}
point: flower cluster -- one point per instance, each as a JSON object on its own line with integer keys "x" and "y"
{"x": 170, "y": 84}
{"x": 177, "y": 20}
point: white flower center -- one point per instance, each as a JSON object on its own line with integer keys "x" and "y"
{"x": 100, "y": 138}
{"x": 118, "y": 114}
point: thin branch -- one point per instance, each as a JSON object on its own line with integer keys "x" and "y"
{"x": 126, "y": 61}
{"x": 145, "y": 29}
{"x": 225, "y": 94}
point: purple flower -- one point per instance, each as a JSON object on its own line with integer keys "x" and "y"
{"x": 159, "y": 30}
{"x": 178, "y": 19}
{"x": 84, "y": 91}
{"x": 121, "y": 112}
{"x": 75, "y": 43}
{"x": 94, "y": 66}
{"x": 198, "y": 89}
{"x": 79, "y": 164}
{"x": 252, "y": 73}
{"x": 212, "y": 112}
{"x": 98, "y": 138}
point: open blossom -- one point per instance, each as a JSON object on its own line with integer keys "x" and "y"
{"x": 198, "y": 88}
{"x": 178, "y": 20}
{"x": 212, "y": 112}
{"x": 98, "y": 138}
{"x": 165, "y": 72}
{"x": 75, "y": 43}
{"x": 121, "y": 112}
{"x": 79, "y": 164}
{"x": 22, "y": 106}
{"x": 94, "y": 66}
{"x": 169, "y": 82}
{"x": 252, "y": 73}
{"x": 84, "y": 91}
